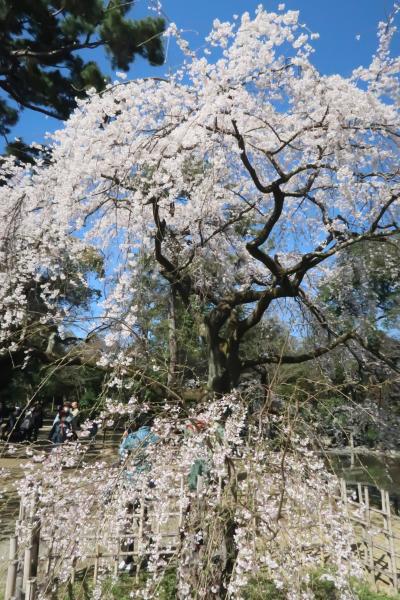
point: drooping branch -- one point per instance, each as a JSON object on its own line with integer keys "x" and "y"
{"x": 298, "y": 358}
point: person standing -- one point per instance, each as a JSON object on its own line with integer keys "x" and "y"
{"x": 37, "y": 415}
{"x": 74, "y": 418}
{"x": 26, "y": 426}
{"x": 11, "y": 431}
{"x": 61, "y": 429}
{"x": 135, "y": 439}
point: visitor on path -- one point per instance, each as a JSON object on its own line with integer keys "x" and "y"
{"x": 11, "y": 432}
{"x": 61, "y": 429}
{"x": 74, "y": 413}
{"x": 37, "y": 420}
{"x": 26, "y": 426}
{"x": 60, "y": 409}
{"x": 66, "y": 410}
{"x": 2, "y": 414}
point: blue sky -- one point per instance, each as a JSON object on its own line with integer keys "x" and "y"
{"x": 337, "y": 50}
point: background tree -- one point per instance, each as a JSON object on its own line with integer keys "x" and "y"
{"x": 42, "y": 361}
{"x": 41, "y": 67}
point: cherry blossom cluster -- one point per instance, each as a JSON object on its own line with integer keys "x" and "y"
{"x": 164, "y": 161}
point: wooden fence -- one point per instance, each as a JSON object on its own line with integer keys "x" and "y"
{"x": 30, "y": 565}
{"x": 370, "y": 511}
{"x": 377, "y": 531}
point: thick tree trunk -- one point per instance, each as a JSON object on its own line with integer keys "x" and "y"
{"x": 223, "y": 362}
{"x": 215, "y": 555}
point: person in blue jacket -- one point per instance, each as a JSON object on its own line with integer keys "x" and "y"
{"x": 137, "y": 437}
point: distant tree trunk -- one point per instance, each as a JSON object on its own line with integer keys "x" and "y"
{"x": 172, "y": 339}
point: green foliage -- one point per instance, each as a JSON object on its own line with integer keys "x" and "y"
{"x": 262, "y": 588}
{"x": 366, "y": 288}
{"x": 29, "y": 369}
{"x": 364, "y": 592}
{"x": 40, "y": 42}
{"x": 121, "y": 588}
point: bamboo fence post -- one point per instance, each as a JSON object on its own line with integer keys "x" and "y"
{"x": 18, "y": 585}
{"x": 35, "y": 546}
{"x": 27, "y": 560}
{"x": 181, "y": 492}
{"x": 199, "y": 487}
{"x": 73, "y": 572}
{"x": 368, "y": 537}
{"x": 360, "y": 493}
{"x": 219, "y": 488}
{"x": 140, "y": 532}
{"x": 96, "y": 564}
{"x": 31, "y": 554}
{"x": 31, "y": 588}
{"x": 117, "y": 556}
{"x": 12, "y": 569}
{"x": 19, "y": 576}
{"x": 21, "y": 514}
{"x": 389, "y": 533}
{"x": 351, "y": 450}
{"x": 343, "y": 493}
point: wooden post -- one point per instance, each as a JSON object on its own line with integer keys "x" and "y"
{"x": 73, "y": 571}
{"x": 31, "y": 554}
{"x": 117, "y": 556}
{"x": 35, "y": 546}
{"x": 368, "y": 538}
{"x": 199, "y": 487}
{"x": 18, "y": 585}
{"x": 27, "y": 562}
{"x": 140, "y": 532}
{"x": 19, "y": 576}
{"x": 389, "y": 533}
{"x": 96, "y": 564}
{"x": 12, "y": 569}
{"x": 30, "y": 593}
{"x": 21, "y": 515}
{"x": 360, "y": 493}
{"x": 343, "y": 493}
{"x": 351, "y": 450}
{"x": 219, "y": 488}
{"x": 181, "y": 490}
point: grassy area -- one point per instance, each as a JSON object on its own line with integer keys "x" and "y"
{"x": 119, "y": 589}
{"x": 323, "y": 589}
{"x": 260, "y": 588}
